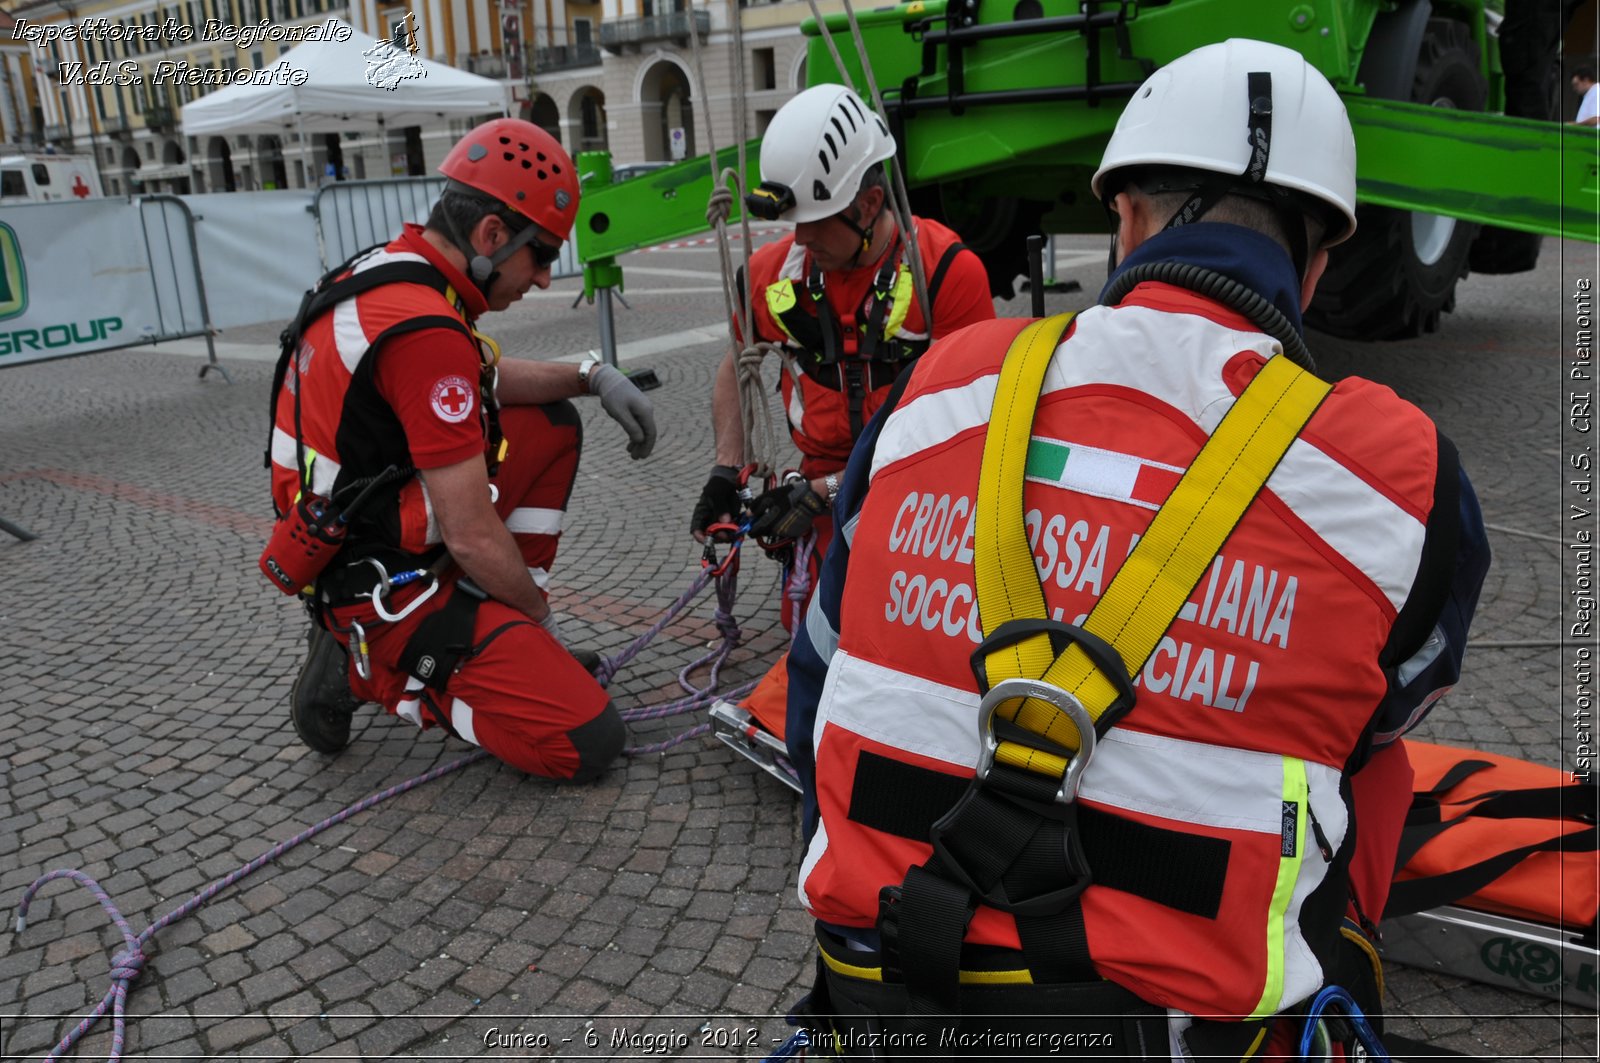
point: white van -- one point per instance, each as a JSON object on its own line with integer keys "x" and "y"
{"x": 40, "y": 177}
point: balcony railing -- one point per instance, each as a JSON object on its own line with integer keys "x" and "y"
{"x": 117, "y": 123}
{"x": 565, "y": 57}
{"x": 619, "y": 33}
{"x": 488, "y": 66}
{"x": 158, "y": 117}
{"x": 62, "y": 131}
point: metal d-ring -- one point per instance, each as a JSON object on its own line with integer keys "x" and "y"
{"x": 1010, "y": 689}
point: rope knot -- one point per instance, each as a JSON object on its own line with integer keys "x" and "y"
{"x": 719, "y": 207}
{"x": 125, "y": 966}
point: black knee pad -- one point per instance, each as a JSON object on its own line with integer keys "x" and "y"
{"x": 598, "y": 742}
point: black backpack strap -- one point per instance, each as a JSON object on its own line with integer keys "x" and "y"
{"x": 330, "y": 290}
{"x": 937, "y": 279}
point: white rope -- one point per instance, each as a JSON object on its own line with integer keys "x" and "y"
{"x": 760, "y": 437}
{"x": 899, "y": 202}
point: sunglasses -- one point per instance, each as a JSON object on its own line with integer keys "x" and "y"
{"x": 544, "y": 255}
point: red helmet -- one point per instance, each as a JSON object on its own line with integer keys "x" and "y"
{"x": 523, "y": 167}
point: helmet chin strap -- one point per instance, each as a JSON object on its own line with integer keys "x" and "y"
{"x": 864, "y": 232}
{"x": 482, "y": 268}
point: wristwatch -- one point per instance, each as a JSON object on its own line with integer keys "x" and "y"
{"x": 586, "y": 367}
{"x": 830, "y": 484}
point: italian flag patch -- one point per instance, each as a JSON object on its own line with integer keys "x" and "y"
{"x": 1103, "y": 473}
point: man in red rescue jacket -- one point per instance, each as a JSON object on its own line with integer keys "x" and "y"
{"x": 453, "y": 468}
{"x": 839, "y": 296}
{"x": 1181, "y": 881}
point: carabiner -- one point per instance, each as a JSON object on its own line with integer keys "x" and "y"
{"x": 733, "y": 533}
{"x": 1366, "y": 1038}
{"x": 411, "y": 606}
{"x": 358, "y": 647}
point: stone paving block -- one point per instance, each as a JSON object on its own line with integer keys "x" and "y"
{"x": 687, "y": 859}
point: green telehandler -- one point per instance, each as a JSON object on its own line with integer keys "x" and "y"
{"x": 1001, "y": 109}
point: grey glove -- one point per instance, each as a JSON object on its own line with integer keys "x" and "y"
{"x": 627, "y": 406}
{"x": 552, "y": 624}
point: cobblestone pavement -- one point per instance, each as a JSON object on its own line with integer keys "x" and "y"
{"x": 144, "y": 668}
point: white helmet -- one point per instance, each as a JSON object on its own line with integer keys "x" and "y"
{"x": 1201, "y": 112}
{"x": 815, "y": 153}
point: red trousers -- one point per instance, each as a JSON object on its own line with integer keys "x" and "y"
{"x": 522, "y": 694}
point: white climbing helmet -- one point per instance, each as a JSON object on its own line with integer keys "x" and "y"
{"x": 815, "y": 153}
{"x": 1196, "y": 112}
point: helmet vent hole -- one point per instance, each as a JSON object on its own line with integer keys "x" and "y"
{"x": 842, "y": 138}
{"x": 555, "y": 168}
{"x": 524, "y": 148}
{"x": 505, "y": 140}
{"x": 540, "y": 155}
{"x": 510, "y": 157}
{"x": 1146, "y": 93}
{"x": 542, "y": 175}
{"x": 826, "y": 167}
{"x": 828, "y": 138}
{"x": 526, "y": 165}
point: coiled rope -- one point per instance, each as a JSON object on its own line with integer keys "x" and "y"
{"x": 128, "y": 963}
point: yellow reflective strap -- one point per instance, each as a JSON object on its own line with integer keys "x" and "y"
{"x": 1151, "y": 586}
{"x": 1145, "y": 595}
{"x": 1296, "y": 791}
{"x": 901, "y": 294}
{"x": 1003, "y": 566}
{"x": 875, "y": 974}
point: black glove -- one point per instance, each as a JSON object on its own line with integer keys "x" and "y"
{"x": 786, "y": 511}
{"x": 719, "y": 496}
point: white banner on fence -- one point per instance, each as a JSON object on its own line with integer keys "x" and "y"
{"x": 258, "y": 251}
{"x": 77, "y": 277}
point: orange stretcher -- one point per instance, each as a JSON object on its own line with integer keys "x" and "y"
{"x": 753, "y": 728}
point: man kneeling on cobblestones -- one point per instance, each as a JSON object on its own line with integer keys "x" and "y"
{"x": 421, "y": 482}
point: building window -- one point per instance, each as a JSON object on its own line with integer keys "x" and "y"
{"x": 582, "y": 31}
{"x": 765, "y": 74}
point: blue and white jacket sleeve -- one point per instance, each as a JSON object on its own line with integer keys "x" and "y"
{"x": 1423, "y": 657}
{"x": 818, "y": 638}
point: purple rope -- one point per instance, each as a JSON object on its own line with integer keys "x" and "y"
{"x": 126, "y": 965}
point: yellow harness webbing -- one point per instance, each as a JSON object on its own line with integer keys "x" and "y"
{"x": 1147, "y": 592}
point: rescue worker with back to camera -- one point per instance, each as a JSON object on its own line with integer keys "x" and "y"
{"x": 435, "y": 476}
{"x": 1173, "y": 869}
{"x": 838, "y": 295}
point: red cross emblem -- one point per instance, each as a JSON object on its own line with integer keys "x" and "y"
{"x": 79, "y": 189}
{"x": 452, "y": 399}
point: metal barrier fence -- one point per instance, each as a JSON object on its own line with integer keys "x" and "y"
{"x": 352, "y": 215}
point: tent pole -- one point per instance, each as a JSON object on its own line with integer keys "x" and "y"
{"x": 308, "y": 180}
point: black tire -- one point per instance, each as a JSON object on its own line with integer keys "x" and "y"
{"x": 996, "y": 229}
{"x": 1398, "y": 274}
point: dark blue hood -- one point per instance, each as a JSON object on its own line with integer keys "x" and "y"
{"x": 1244, "y": 255}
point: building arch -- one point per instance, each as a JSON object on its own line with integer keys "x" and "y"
{"x": 272, "y": 173}
{"x": 666, "y": 105}
{"x": 219, "y": 166}
{"x": 543, "y": 112}
{"x": 586, "y": 115}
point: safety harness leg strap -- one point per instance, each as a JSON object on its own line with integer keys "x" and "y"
{"x": 1051, "y": 689}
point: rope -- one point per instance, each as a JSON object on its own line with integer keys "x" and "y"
{"x": 761, "y": 440}
{"x": 899, "y": 203}
{"x": 126, "y": 965}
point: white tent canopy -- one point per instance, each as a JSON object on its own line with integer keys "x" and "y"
{"x": 337, "y": 96}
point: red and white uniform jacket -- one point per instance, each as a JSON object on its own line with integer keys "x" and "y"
{"x": 1216, "y": 813}
{"x": 816, "y": 393}
{"x": 422, "y": 405}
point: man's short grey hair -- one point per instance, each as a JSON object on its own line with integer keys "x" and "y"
{"x": 875, "y": 177}
{"x": 459, "y": 211}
